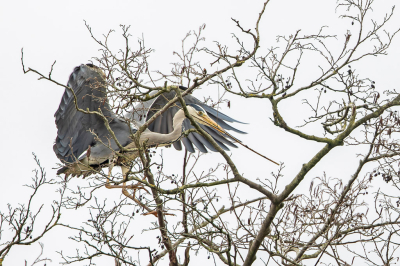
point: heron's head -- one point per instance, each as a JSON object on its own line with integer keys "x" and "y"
{"x": 201, "y": 117}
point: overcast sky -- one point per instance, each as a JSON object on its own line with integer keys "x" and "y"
{"x": 55, "y": 30}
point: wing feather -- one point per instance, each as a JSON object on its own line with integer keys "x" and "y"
{"x": 75, "y": 128}
{"x": 188, "y": 145}
{"x": 163, "y": 123}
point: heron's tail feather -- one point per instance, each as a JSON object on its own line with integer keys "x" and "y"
{"x": 62, "y": 170}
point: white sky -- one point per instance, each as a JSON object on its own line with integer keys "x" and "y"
{"x": 55, "y": 30}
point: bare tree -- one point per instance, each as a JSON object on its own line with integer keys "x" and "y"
{"x": 22, "y": 225}
{"x": 330, "y": 223}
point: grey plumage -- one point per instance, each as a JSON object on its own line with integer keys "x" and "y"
{"x": 142, "y": 112}
{"x": 78, "y": 132}
{"x": 74, "y": 128}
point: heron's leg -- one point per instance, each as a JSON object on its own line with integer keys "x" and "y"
{"x": 110, "y": 167}
{"x": 138, "y": 185}
{"x": 135, "y": 187}
{"x": 125, "y": 171}
{"x": 132, "y": 197}
{"x": 154, "y": 212}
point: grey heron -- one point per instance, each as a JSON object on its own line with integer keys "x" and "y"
{"x": 84, "y": 143}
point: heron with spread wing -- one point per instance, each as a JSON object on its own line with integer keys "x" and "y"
{"x": 84, "y": 141}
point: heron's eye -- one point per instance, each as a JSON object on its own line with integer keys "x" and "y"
{"x": 200, "y": 113}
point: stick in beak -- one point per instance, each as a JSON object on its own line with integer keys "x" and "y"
{"x": 205, "y": 119}
{"x": 244, "y": 145}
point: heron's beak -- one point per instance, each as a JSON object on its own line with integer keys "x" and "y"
{"x": 206, "y": 120}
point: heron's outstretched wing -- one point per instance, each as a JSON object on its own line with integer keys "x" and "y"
{"x": 163, "y": 123}
{"x": 77, "y": 130}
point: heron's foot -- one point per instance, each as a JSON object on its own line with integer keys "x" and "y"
{"x": 74, "y": 172}
{"x": 82, "y": 174}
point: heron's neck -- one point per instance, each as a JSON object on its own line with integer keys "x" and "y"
{"x": 154, "y": 138}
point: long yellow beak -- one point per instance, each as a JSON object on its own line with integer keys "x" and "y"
{"x": 206, "y": 120}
